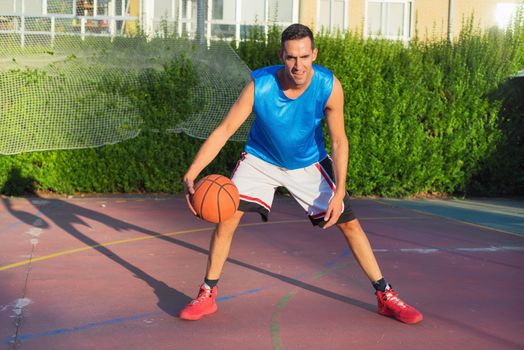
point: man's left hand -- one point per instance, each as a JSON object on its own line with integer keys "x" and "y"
{"x": 334, "y": 210}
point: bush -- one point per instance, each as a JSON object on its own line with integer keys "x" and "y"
{"x": 428, "y": 116}
{"x": 421, "y": 117}
{"x": 154, "y": 161}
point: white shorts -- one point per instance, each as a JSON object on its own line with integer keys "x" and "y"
{"x": 312, "y": 187}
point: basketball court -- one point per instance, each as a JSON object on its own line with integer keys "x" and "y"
{"x": 113, "y": 272}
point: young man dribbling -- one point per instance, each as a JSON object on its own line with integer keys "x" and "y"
{"x": 286, "y": 148}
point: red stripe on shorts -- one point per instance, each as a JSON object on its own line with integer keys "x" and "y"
{"x": 238, "y": 163}
{"x": 326, "y": 176}
{"x": 317, "y": 216}
{"x": 253, "y": 199}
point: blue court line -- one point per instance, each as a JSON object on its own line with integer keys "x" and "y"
{"x": 333, "y": 262}
{"x": 113, "y": 321}
{"x": 119, "y": 320}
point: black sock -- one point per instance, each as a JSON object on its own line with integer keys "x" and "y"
{"x": 380, "y": 285}
{"x": 210, "y": 283}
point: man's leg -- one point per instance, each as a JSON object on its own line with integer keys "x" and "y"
{"x": 220, "y": 245}
{"x": 389, "y": 304}
{"x": 205, "y": 302}
{"x": 359, "y": 244}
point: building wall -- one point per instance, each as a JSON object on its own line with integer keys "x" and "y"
{"x": 429, "y": 18}
{"x": 357, "y": 13}
{"x": 308, "y": 12}
{"x": 482, "y": 10}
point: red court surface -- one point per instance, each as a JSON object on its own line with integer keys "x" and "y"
{"x": 113, "y": 272}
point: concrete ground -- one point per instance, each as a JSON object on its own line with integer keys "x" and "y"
{"x": 112, "y": 272}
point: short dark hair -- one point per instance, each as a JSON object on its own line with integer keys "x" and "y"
{"x": 295, "y": 32}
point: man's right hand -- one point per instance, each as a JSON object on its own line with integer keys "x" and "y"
{"x": 189, "y": 191}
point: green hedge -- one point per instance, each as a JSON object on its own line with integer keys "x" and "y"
{"x": 423, "y": 117}
{"x": 148, "y": 163}
{"x": 154, "y": 161}
{"x": 434, "y": 116}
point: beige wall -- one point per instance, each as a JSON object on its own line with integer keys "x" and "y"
{"x": 430, "y": 17}
{"x": 308, "y": 13}
{"x": 483, "y": 11}
{"x": 357, "y": 13}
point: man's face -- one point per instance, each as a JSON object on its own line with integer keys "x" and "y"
{"x": 298, "y": 58}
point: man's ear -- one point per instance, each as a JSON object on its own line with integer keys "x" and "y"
{"x": 315, "y": 52}
{"x": 281, "y": 54}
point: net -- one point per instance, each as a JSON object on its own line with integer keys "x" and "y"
{"x": 80, "y": 93}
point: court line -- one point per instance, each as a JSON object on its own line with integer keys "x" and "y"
{"x": 448, "y": 218}
{"x": 122, "y": 319}
{"x": 275, "y": 322}
{"x": 31, "y": 336}
{"x": 330, "y": 267}
{"x": 76, "y": 250}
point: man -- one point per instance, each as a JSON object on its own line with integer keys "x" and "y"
{"x": 286, "y": 148}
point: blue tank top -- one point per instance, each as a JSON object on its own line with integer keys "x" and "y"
{"x": 288, "y": 132}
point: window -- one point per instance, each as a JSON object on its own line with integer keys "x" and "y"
{"x": 163, "y": 9}
{"x": 280, "y": 10}
{"x": 62, "y": 7}
{"x": 252, "y": 11}
{"x": 389, "y": 18}
{"x": 332, "y": 14}
{"x": 218, "y": 9}
{"x": 103, "y": 8}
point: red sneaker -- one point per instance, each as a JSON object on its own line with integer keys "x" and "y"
{"x": 389, "y": 304}
{"x": 203, "y": 304}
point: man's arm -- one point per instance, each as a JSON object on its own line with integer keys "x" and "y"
{"x": 237, "y": 115}
{"x": 340, "y": 151}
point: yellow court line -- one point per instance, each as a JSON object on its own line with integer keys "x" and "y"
{"x": 72, "y": 251}
{"x": 77, "y": 250}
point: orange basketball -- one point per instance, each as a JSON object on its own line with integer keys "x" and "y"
{"x": 215, "y": 199}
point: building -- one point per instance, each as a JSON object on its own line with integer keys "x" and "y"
{"x": 394, "y": 19}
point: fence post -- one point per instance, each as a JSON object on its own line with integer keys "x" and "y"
{"x": 201, "y": 13}
{"x": 112, "y": 23}
{"x": 179, "y": 18}
{"x": 238, "y": 16}
{"x": 189, "y": 17}
{"x": 294, "y": 11}
{"x": 209, "y": 19}
{"x": 83, "y": 27}
{"x": 345, "y": 23}
{"x": 22, "y": 25}
{"x": 451, "y": 19}
{"x": 53, "y": 30}
{"x": 266, "y": 20}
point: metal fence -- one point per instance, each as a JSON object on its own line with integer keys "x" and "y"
{"x": 179, "y": 18}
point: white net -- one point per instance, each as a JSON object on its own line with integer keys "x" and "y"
{"x": 80, "y": 93}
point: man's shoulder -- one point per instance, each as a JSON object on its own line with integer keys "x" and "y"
{"x": 265, "y": 71}
{"x": 324, "y": 77}
{"x": 323, "y": 70}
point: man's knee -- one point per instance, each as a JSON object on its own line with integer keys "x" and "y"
{"x": 229, "y": 226}
{"x": 350, "y": 227}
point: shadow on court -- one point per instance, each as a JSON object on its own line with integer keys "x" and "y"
{"x": 287, "y": 285}
{"x": 68, "y": 217}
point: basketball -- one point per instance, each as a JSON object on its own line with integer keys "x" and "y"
{"x": 215, "y": 199}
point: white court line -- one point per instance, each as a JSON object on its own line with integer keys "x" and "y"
{"x": 491, "y": 249}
